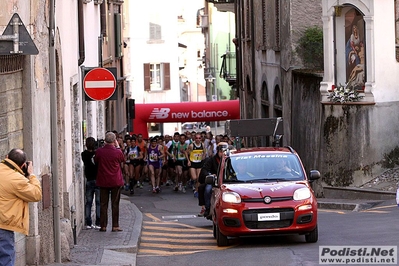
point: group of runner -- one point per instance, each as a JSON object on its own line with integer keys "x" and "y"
{"x": 167, "y": 160}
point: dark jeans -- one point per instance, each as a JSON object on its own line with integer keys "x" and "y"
{"x": 7, "y": 249}
{"x": 204, "y": 195}
{"x": 91, "y": 191}
{"x": 104, "y": 200}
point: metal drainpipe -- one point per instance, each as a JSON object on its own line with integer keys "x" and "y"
{"x": 253, "y": 88}
{"x": 82, "y": 51}
{"x": 54, "y": 138}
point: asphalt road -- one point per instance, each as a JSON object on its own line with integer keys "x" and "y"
{"x": 172, "y": 234}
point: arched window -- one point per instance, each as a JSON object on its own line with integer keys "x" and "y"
{"x": 265, "y": 100}
{"x": 278, "y": 103}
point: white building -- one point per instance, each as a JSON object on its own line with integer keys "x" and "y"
{"x": 166, "y": 47}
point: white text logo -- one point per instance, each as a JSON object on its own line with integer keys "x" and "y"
{"x": 163, "y": 113}
{"x": 160, "y": 113}
{"x": 358, "y": 255}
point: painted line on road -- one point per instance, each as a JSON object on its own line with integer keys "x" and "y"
{"x": 182, "y": 240}
{"x": 336, "y": 211}
{"x": 160, "y": 222}
{"x": 151, "y": 252}
{"x": 171, "y": 217}
{"x": 194, "y": 235}
{"x": 149, "y": 215}
{"x": 193, "y": 228}
{"x": 384, "y": 207}
{"x": 376, "y": 211}
{"x": 167, "y": 238}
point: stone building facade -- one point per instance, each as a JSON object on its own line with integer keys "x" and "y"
{"x": 351, "y": 142}
{"x": 43, "y": 110}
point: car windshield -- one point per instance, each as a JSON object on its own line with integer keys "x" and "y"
{"x": 260, "y": 167}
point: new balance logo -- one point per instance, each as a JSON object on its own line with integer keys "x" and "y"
{"x": 159, "y": 113}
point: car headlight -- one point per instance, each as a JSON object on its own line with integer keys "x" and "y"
{"x": 302, "y": 193}
{"x": 231, "y": 197}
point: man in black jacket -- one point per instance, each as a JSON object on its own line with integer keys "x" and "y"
{"x": 92, "y": 190}
{"x": 210, "y": 167}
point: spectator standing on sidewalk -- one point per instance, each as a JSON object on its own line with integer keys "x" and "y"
{"x": 92, "y": 190}
{"x": 109, "y": 160}
{"x": 18, "y": 186}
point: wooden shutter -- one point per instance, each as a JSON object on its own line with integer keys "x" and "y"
{"x": 147, "y": 77}
{"x": 166, "y": 76}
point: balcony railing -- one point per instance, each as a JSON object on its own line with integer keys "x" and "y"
{"x": 228, "y": 70}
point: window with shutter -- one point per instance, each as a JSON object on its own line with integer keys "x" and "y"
{"x": 147, "y": 77}
{"x": 166, "y": 72}
{"x": 156, "y": 76}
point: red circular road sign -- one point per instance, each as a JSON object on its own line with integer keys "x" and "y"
{"x": 99, "y": 84}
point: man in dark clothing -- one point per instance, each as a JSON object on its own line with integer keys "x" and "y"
{"x": 210, "y": 167}
{"x": 90, "y": 170}
{"x": 109, "y": 160}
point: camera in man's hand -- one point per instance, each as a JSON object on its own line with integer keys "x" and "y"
{"x": 25, "y": 169}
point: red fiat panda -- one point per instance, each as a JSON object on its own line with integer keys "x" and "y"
{"x": 263, "y": 191}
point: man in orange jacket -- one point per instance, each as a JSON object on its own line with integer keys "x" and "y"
{"x": 18, "y": 187}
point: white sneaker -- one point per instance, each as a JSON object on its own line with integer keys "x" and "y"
{"x": 95, "y": 227}
{"x": 184, "y": 189}
{"x": 180, "y": 187}
{"x": 89, "y": 226}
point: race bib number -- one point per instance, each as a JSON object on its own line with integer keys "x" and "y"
{"x": 153, "y": 157}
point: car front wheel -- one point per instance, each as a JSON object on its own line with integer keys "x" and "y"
{"x": 313, "y": 236}
{"x": 221, "y": 239}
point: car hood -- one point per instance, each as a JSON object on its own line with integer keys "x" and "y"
{"x": 274, "y": 189}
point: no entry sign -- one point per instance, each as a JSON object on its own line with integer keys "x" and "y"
{"x": 99, "y": 84}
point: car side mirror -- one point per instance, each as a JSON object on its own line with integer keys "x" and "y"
{"x": 210, "y": 180}
{"x": 314, "y": 174}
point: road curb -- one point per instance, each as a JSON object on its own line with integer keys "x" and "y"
{"x": 125, "y": 253}
{"x": 349, "y": 206}
{"x": 353, "y": 193}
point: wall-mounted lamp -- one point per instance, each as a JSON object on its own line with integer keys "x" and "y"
{"x": 187, "y": 82}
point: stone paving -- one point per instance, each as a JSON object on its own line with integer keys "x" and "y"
{"x": 110, "y": 248}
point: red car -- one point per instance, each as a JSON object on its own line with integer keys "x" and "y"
{"x": 262, "y": 191}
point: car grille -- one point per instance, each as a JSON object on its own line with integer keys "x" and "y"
{"x": 274, "y": 199}
{"x": 250, "y": 218}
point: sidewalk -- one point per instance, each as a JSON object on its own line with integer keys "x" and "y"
{"x": 110, "y": 248}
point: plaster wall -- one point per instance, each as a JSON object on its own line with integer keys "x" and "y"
{"x": 66, "y": 20}
{"x": 386, "y": 82}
